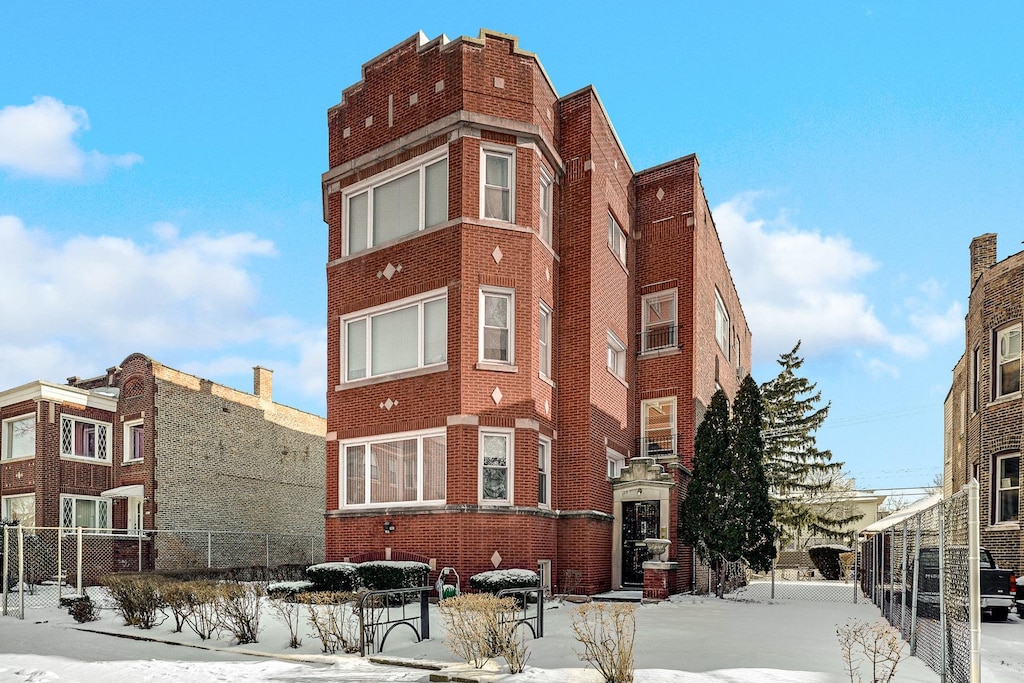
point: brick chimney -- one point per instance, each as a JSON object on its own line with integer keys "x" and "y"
{"x": 983, "y": 255}
{"x": 262, "y": 383}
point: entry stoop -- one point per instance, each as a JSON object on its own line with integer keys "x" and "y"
{"x": 619, "y": 596}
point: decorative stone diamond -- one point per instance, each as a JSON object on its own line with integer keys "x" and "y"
{"x": 496, "y": 395}
{"x": 345, "y": 133}
{"x": 496, "y": 559}
{"x": 499, "y": 82}
{"x": 496, "y": 254}
{"x": 547, "y": 407}
{"x": 389, "y": 271}
{"x": 389, "y": 404}
{"x": 661, "y": 194}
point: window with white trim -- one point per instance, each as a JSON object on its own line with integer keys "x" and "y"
{"x": 496, "y": 450}
{"x": 659, "y": 321}
{"x": 404, "y": 335}
{"x": 498, "y": 186}
{"x": 545, "y": 206}
{"x": 497, "y": 325}
{"x": 616, "y": 239}
{"x": 134, "y": 440}
{"x": 658, "y": 427}
{"x": 419, "y": 456}
{"x": 1007, "y": 487}
{"x": 616, "y": 356}
{"x": 544, "y": 472}
{"x": 397, "y": 203}
{"x": 19, "y": 437}
{"x": 82, "y": 438}
{"x": 1007, "y": 361}
{"x": 19, "y": 509}
{"x": 90, "y": 512}
{"x": 616, "y": 463}
{"x": 721, "y": 325}
{"x": 544, "y": 341}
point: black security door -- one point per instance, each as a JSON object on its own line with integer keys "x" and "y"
{"x": 640, "y": 519}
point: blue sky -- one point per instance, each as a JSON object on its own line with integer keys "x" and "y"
{"x": 160, "y": 163}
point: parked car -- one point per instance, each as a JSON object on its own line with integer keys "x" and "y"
{"x": 998, "y": 586}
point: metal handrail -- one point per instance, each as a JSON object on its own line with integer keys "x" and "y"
{"x": 537, "y": 625}
{"x": 370, "y": 629}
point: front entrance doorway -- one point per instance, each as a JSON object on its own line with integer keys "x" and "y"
{"x": 640, "y": 519}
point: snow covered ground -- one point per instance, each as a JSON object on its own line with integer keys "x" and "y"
{"x": 687, "y": 640}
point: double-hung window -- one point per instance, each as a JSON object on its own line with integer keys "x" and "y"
{"x": 19, "y": 437}
{"x": 496, "y": 467}
{"x": 498, "y": 186}
{"x": 1007, "y": 357}
{"x": 658, "y": 427}
{"x": 1007, "y": 487}
{"x": 497, "y": 325}
{"x": 134, "y": 440}
{"x": 408, "y": 200}
{"x": 405, "y": 335}
{"x": 545, "y": 207}
{"x": 82, "y": 438}
{"x": 544, "y": 472}
{"x": 415, "y": 466}
{"x": 721, "y": 325}
{"x": 84, "y": 511}
{"x": 659, "y": 320}
{"x": 616, "y": 356}
{"x": 616, "y": 239}
{"x": 616, "y": 462}
{"x": 19, "y": 509}
{"x": 544, "y": 333}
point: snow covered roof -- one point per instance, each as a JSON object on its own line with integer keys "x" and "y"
{"x": 900, "y": 515}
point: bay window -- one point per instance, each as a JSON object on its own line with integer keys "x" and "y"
{"x": 498, "y": 188}
{"x": 83, "y": 438}
{"x": 496, "y": 450}
{"x": 497, "y": 326}
{"x": 19, "y": 437}
{"x": 545, "y": 207}
{"x": 19, "y": 509}
{"x": 84, "y": 511}
{"x": 415, "y": 464}
{"x": 544, "y": 472}
{"x": 544, "y": 332}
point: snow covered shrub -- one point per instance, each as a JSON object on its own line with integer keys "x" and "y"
{"x": 80, "y": 607}
{"x": 826, "y": 559}
{"x": 389, "y": 574}
{"x": 879, "y": 644}
{"x": 500, "y": 579}
{"x": 238, "y": 605}
{"x": 606, "y": 631}
{"x": 287, "y": 590}
{"x": 333, "y": 576}
{"x": 137, "y": 597}
{"x": 334, "y": 621}
{"x": 481, "y": 626}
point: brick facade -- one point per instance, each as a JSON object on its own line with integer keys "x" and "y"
{"x": 425, "y": 100}
{"x": 213, "y": 458}
{"x": 984, "y": 418}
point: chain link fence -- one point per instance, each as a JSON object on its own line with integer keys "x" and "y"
{"x": 40, "y": 565}
{"x": 917, "y": 570}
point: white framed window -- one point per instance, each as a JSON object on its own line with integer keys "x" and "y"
{"x": 420, "y": 457}
{"x": 658, "y": 427}
{"x": 1007, "y": 487}
{"x": 616, "y": 239}
{"x": 544, "y": 472}
{"x": 616, "y": 463}
{"x": 90, "y": 512}
{"x": 18, "y": 436}
{"x": 1007, "y": 361}
{"x": 497, "y": 325}
{"x": 544, "y": 340}
{"x": 544, "y": 572}
{"x": 975, "y": 379}
{"x": 404, "y": 335}
{"x": 402, "y": 201}
{"x": 721, "y": 325}
{"x": 134, "y": 440}
{"x": 19, "y": 509}
{"x": 659, "y": 321}
{"x": 83, "y": 438}
{"x": 545, "y": 207}
{"x": 497, "y": 180}
{"x": 616, "y": 356}
{"x": 496, "y": 449}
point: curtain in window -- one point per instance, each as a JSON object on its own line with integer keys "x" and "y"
{"x": 496, "y": 189}
{"x": 396, "y": 208}
{"x": 496, "y": 328}
{"x": 355, "y": 481}
{"x": 436, "y": 190}
{"x": 434, "y": 467}
{"x": 435, "y": 331}
{"x": 394, "y": 337}
{"x": 356, "y": 344}
{"x": 391, "y": 457}
{"x": 357, "y": 216}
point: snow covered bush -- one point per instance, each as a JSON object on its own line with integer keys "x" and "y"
{"x": 826, "y": 559}
{"x": 500, "y": 579}
{"x": 80, "y": 607}
{"x": 481, "y": 626}
{"x": 390, "y": 574}
{"x": 137, "y": 597}
{"x": 332, "y": 576}
{"x": 606, "y": 631}
{"x": 287, "y": 590}
{"x": 238, "y": 607}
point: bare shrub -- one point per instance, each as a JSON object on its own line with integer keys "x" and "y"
{"x": 607, "y": 631}
{"x": 481, "y": 626}
{"x": 202, "y": 616}
{"x": 846, "y": 561}
{"x": 878, "y": 645}
{"x": 238, "y": 606}
{"x": 291, "y": 614}
{"x": 177, "y": 597}
{"x": 137, "y": 597}
{"x": 571, "y": 580}
{"x": 334, "y": 621}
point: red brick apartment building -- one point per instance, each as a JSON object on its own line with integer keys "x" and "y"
{"x": 984, "y": 410}
{"x": 523, "y": 330}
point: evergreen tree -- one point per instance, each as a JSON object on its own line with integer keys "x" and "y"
{"x": 749, "y": 462}
{"x": 800, "y": 475}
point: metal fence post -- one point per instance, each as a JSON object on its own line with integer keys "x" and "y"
{"x": 915, "y": 579}
{"x": 856, "y": 571}
{"x": 209, "y": 550}
{"x": 6, "y": 571}
{"x": 424, "y": 614}
{"x": 21, "y": 572}
{"x": 943, "y": 624}
{"x": 540, "y": 613}
{"x": 61, "y": 574}
{"x": 903, "y": 587}
{"x": 974, "y": 577}
{"x": 773, "y": 577}
{"x": 140, "y": 549}
{"x": 78, "y": 582}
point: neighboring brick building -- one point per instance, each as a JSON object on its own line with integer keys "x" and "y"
{"x": 148, "y": 447}
{"x": 984, "y": 410}
{"x": 514, "y": 314}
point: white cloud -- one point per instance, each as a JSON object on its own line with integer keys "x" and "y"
{"x": 71, "y": 304}
{"x": 38, "y": 139}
